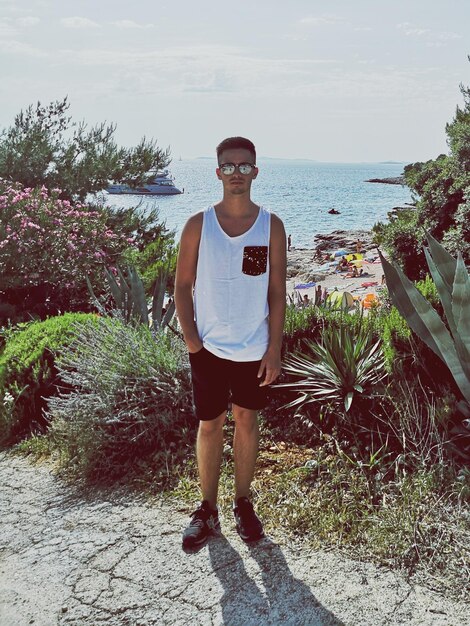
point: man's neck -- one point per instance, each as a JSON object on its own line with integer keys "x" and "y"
{"x": 236, "y": 206}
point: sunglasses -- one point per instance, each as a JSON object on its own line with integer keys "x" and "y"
{"x": 243, "y": 168}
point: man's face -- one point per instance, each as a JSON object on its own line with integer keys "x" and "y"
{"x": 237, "y": 183}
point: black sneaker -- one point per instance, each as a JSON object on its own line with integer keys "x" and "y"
{"x": 249, "y": 526}
{"x": 204, "y": 521}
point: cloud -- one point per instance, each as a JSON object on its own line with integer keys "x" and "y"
{"x": 408, "y": 29}
{"x": 78, "y": 22}
{"x": 433, "y": 39}
{"x": 12, "y": 46}
{"x": 130, "y": 24}
{"x": 28, "y": 21}
{"x": 7, "y": 29}
{"x": 210, "y": 82}
{"x": 447, "y": 36}
{"x": 202, "y": 69}
{"x": 319, "y": 20}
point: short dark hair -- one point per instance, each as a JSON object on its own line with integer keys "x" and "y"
{"x": 234, "y": 143}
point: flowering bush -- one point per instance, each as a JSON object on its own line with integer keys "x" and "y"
{"x": 48, "y": 241}
{"x": 43, "y": 238}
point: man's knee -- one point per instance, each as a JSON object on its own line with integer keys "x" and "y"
{"x": 210, "y": 427}
{"x": 245, "y": 418}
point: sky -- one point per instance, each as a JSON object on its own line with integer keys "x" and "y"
{"x": 339, "y": 81}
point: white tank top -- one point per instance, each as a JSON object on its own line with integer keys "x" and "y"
{"x": 231, "y": 289}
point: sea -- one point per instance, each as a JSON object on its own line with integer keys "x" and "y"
{"x": 300, "y": 192}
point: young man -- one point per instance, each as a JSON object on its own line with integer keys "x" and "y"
{"x": 230, "y": 296}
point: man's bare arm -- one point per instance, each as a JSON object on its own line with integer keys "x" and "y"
{"x": 271, "y": 362}
{"x": 184, "y": 283}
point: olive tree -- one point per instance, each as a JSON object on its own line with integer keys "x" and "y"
{"x": 45, "y": 147}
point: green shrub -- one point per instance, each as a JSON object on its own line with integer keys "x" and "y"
{"x": 402, "y": 238}
{"x": 129, "y": 406}
{"x": 395, "y": 334}
{"x": 28, "y": 375}
{"x": 308, "y": 323}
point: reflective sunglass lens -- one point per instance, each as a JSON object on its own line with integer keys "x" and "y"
{"x": 243, "y": 168}
{"x": 228, "y": 169}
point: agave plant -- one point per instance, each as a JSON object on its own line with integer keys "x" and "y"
{"x": 345, "y": 363}
{"x": 131, "y": 300}
{"x": 452, "y": 281}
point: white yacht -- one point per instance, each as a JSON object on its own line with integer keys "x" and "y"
{"x": 160, "y": 185}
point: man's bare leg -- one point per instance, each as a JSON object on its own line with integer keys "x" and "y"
{"x": 209, "y": 447}
{"x": 245, "y": 449}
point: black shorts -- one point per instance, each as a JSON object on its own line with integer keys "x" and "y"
{"x": 217, "y": 382}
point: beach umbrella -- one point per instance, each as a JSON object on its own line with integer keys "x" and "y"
{"x": 340, "y": 252}
{"x": 370, "y": 300}
{"x": 341, "y": 300}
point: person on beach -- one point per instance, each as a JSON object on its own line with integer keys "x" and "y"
{"x": 318, "y": 295}
{"x": 230, "y": 295}
{"x": 318, "y": 256}
{"x": 342, "y": 265}
{"x": 289, "y": 242}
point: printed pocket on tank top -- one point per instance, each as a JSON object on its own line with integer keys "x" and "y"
{"x": 255, "y": 260}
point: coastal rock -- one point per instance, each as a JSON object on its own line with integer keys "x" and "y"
{"x": 344, "y": 239}
{"x": 395, "y": 212}
{"x": 392, "y": 180}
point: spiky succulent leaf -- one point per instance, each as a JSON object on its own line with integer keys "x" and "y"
{"x": 139, "y": 299}
{"x": 461, "y": 310}
{"x": 444, "y": 261}
{"x": 158, "y": 298}
{"x": 168, "y": 314}
{"x": 92, "y": 293}
{"x": 417, "y": 311}
{"x": 116, "y": 290}
{"x": 445, "y": 294}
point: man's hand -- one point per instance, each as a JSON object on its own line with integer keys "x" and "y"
{"x": 270, "y": 366}
{"x": 194, "y": 345}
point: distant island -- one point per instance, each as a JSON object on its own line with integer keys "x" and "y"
{"x": 305, "y": 160}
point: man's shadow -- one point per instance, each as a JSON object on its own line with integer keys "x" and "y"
{"x": 278, "y": 598}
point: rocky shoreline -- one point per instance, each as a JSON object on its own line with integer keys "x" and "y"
{"x": 392, "y": 180}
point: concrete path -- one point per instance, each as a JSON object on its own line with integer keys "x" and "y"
{"x": 67, "y": 559}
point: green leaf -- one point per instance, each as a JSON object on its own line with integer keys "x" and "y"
{"x": 139, "y": 300}
{"x": 412, "y": 306}
{"x": 116, "y": 290}
{"x": 169, "y": 314}
{"x": 92, "y": 293}
{"x": 444, "y": 292}
{"x": 443, "y": 260}
{"x": 461, "y": 309}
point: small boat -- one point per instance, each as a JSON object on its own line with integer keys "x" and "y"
{"x": 160, "y": 185}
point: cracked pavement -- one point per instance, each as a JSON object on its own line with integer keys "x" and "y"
{"x": 71, "y": 559}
